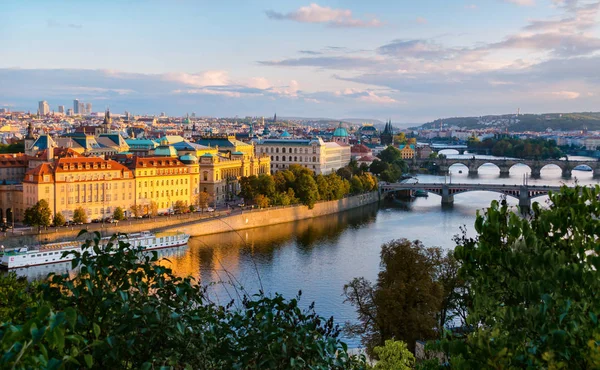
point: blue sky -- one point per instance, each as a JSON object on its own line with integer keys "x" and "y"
{"x": 411, "y": 61}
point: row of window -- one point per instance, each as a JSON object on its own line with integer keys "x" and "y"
{"x": 296, "y": 159}
{"x": 162, "y": 193}
{"x": 296, "y": 150}
{"x": 162, "y": 183}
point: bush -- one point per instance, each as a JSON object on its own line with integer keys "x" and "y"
{"x": 104, "y": 318}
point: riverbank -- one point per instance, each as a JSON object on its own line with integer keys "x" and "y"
{"x": 198, "y": 225}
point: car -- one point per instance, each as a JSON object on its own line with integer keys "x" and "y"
{"x": 209, "y": 209}
{"x": 241, "y": 204}
{"x": 145, "y": 216}
{"x": 95, "y": 220}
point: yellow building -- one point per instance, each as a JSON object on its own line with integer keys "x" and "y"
{"x": 407, "y": 151}
{"x": 220, "y": 172}
{"x": 163, "y": 180}
{"x": 97, "y": 185}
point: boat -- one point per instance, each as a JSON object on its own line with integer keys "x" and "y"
{"x": 54, "y": 252}
{"x": 421, "y": 193}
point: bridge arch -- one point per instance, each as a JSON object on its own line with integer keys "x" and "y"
{"x": 449, "y": 151}
{"x": 460, "y": 166}
{"x": 488, "y": 165}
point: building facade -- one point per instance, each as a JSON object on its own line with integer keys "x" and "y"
{"x": 314, "y": 154}
{"x": 97, "y": 185}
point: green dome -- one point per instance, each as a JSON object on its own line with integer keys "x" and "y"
{"x": 207, "y": 155}
{"x": 286, "y": 134}
{"x": 188, "y": 158}
{"x": 237, "y": 153}
{"x": 340, "y": 131}
{"x": 165, "y": 151}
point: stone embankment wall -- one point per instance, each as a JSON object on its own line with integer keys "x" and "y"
{"x": 272, "y": 216}
{"x": 197, "y": 225}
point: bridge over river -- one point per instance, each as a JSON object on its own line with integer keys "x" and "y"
{"x": 524, "y": 193}
{"x": 473, "y": 164}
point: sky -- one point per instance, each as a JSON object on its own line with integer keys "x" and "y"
{"x": 409, "y": 61}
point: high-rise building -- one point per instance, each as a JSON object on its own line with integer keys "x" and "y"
{"x": 61, "y": 109}
{"x": 43, "y": 108}
{"x": 88, "y": 108}
{"x": 70, "y": 112}
{"x": 76, "y": 106}
{"x": 81, "y": 109}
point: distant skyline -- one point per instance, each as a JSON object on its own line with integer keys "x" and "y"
{"x": 411, "y": 61}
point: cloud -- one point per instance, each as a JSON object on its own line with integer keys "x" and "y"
{"x": 566, "y": 94}
{"x": 421, "y": 20}
{"x": 208, "y": 78}
{"x": 51, "y": 23}
{"x": 315, "y": 13}
{"x": 335, "y": 62}
{"x": 577, "y": 19}
{"x": 310, "y": 52}
{"x": 521, "y": 2}
{"x": 559, "y": 43}
{"x": 413, "y": 49}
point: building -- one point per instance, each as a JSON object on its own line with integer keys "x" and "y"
{"x": 407, "y": 151}
{"x": 97, "y": 185}
{"x": 387, "y": 136}
{"x": 81, "y": 109}
{"x": 164, "y": 181}
{"x": 314, "y": 154}
{"x": 220, "y": 172}
{"x": 13, "y": 167}
{"x": 76, "y": 106}
{"x": 43, "y": 108}
{"x": 88, "y": 108}
{"x": 61, "y": 109}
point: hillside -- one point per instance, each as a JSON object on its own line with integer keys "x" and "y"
{"x": 523, "y": 122}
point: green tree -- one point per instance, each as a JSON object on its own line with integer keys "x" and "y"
{"x": 356, "y": 186}
{"x": 180, "y": 206}
{"x": 59, "y": 219}
{"x": 394, "y": 355}
{"x": 405, "y": 302}
{"x": 38, "y": 215}
{"x": 534, "y": 284}
{"x": 400, "y": 138}
{"x": 377, "y": 167}
{"x": 261, "y": 201}
{"x": 80, "y": 216}
{"x": 306, "y": 190}
{"x": 248, "y": 187}
{"x": 104, "y": 318}
{"x": 118, "y": 214}
{"x": 345, "y": 173}
{"x": 390, "y": 154}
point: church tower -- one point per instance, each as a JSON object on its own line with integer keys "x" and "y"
{"x": 107, "y": 122}
{"x": 387, "y": 136}
{"x": 29, "y": 140}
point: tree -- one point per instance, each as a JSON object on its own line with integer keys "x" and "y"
{"x": 306, "y": 190}
{"x": 118, "y": 214}
{"x": 261, "y": 201}
{"x": 248, "y": 187}
{"x": 405, "y": 301}
{"x": 400, "y": 138}
{"x": 80, "y": 216}
{"x": 356, "y": 186}
{"x": 137, "y": 210}
{"x": 180, "y": 206}
{"x": 59, "y": 219}
{"x": 394, "y": 355}
{"x": 390, "y": 154}
{"x": 103, "y": 318}
{"x": 534, "y": 284}
{"x": 345, "y": 173}
{"x": 153, "y": 208}
{"x": 38, "y": 215}
{"x": 202, "y": 200}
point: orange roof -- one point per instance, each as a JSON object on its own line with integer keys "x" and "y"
{"x": 87, "y": 164}
{"x": 13, "y": 160}
{"x": 360, "y": 148}
{"x": 41, "y": 170}
{"x": 156, "y": 162}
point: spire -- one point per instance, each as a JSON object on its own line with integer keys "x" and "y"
{"x": 30, "y": 131}
{"x": 107, "y": 119}
{"x": 275, "y": 117}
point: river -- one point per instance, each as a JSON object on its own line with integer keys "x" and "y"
{"x": 319, "y": 256}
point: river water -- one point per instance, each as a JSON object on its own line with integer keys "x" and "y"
{"x": 319, "y": 256}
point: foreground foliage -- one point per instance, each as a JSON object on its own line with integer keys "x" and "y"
{"x": 410, "y": 299}
{"x": 534, "y": 286}
{"x": 122, "y": 310}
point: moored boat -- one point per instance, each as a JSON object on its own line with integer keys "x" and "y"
{"x": 54, "y": 252}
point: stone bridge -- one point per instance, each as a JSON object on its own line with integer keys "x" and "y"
{"x": 524, "y": 193}
{"x": 473, "y": 164}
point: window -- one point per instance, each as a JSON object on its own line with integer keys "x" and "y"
{"x": 283, "y": 150}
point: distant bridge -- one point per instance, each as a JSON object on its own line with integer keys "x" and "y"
{"x": 504, "y": 165}
{"x": 524, "y": 193}
{"x": 458, "y": 147}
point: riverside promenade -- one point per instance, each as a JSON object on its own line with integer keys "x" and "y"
{"x": 195, "y": 224}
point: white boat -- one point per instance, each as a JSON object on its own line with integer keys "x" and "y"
{"x": 53, "y": 252}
